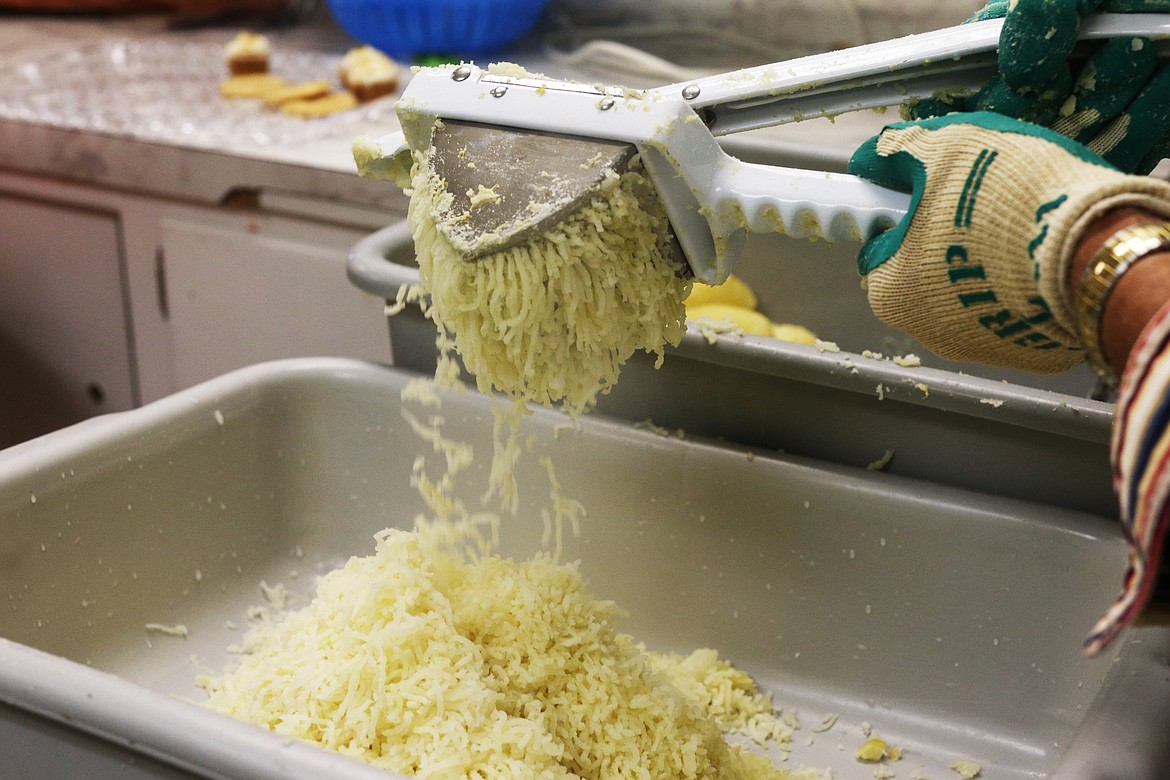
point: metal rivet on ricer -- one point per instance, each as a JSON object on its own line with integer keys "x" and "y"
{"x": 499, "y": 91}
{"x": 605, "y": 104}
{"x": 690, "y": 91}
{"x": 461, "y": 73}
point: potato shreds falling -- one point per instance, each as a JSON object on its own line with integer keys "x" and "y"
{"x": 552, "y": 321}
{"x": 436, "y": 658}
{"x": 428, "y": 665}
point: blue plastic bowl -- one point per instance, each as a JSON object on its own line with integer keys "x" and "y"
{"x": 406, "y": 28}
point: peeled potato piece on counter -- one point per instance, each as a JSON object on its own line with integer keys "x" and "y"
{"x": 252, "y": 85}
{"x": 305, "y": 90}
{"x": 332, "y": 103}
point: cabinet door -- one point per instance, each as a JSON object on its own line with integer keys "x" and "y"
{"x": 243, "y": 288}
{"x": 64, "y": 340}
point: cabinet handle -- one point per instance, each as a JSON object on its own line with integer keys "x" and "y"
{"x": 160, "y": 283}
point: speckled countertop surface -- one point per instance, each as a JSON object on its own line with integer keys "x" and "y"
{"x": 319, "y": 164}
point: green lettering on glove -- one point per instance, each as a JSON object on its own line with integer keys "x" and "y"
{"x": 976, "y": 270}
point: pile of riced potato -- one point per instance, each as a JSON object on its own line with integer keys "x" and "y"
{"x": 417, "y": 662}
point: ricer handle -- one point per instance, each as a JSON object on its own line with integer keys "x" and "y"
{"x": 711, "y": 220}
{"x": 873, "y": 75}
{"x": 811, "y": 204}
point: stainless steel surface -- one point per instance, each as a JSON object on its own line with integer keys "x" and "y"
{"x": 948, "y": 620}
{"x": 171, "y": 167}
{"x": 558, "y": 174}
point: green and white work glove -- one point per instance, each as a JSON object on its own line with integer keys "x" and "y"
{"x": 1116, "y": 101}
{"x": 976, "y": 269}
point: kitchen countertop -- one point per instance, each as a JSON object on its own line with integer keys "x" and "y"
{"x": 319, "y": 167}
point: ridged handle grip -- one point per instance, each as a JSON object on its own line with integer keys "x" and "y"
{"x": 714, "y": 208}
{"x": 806, "y": 204}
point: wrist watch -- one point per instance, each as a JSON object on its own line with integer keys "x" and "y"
{"x": 1121, "y": 251}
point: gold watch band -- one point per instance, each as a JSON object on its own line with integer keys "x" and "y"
{"x": 1120, "y": 252}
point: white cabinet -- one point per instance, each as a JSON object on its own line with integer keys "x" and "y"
{"x": 246, "y": 287}
{"x": 111, "y": 299}
{"x": 65, "y": 336}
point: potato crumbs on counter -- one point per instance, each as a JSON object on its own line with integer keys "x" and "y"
{"x": 968, "y": 770}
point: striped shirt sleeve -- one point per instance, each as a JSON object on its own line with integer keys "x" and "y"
{"x": 1140, "y": 452}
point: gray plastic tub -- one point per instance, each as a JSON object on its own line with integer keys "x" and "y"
{"x": 986, "y": 431}
{"x": 949, "y": 620}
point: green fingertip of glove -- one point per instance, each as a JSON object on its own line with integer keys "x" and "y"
{"x": 996, "y": 9}
{"x": 1141, "y": 126}
{"x": 1110, "y": 80}
{"x": 1032, "y": 28}
{"x": 937, "y": 105}
{"x": 901, "y": 171}
{"x": 1035, "y": 80}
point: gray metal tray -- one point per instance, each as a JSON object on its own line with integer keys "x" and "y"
{"x": 945, "y": 424}
{"x": 950, "y": 620}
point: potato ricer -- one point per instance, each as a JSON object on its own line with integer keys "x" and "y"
{"x": 541, "y": 145}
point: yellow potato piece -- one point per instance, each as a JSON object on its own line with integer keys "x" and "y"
{"x": 751, "y": 322}
{"x": 968, "y": 770}
{"x": 321, "y": 106}
{"x": 733, "y": 292}
{"x": 305, "y": 90}
{"x": 873, "y": 750}
{"x": 786, "y": 331}
{"x": 252, "y": 85}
